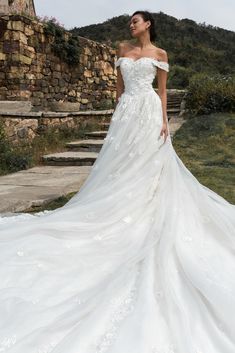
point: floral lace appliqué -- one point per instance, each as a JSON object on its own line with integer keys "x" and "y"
{"x": 122, "y": 307}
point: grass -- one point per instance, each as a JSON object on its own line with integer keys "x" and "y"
{"x": 206, "y": 145}
{"x": 52, "y": 205}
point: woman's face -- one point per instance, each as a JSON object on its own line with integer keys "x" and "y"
{"x": 137, "y": 25}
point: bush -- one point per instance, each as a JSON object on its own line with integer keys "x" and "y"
{"x": 179, "y": 77}
{"x": 11, "y": 159}
{"x": 208, "y": 94}
{"x": 67, "y": 50}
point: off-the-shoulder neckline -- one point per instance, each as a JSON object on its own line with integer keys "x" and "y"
{"x": 142, "y": 57}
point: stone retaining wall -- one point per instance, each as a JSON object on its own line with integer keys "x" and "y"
{"x": 29, "y": 70}
{"x": 26, "y": 127}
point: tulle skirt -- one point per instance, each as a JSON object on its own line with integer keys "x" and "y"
{"x": 140, "y": 260}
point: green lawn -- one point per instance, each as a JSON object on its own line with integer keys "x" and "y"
{"x": 206, "y": 145}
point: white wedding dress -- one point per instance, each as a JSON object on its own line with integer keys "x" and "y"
{"x": 140, "y": 260}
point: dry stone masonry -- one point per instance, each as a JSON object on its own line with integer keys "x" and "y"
{"x": 17, "y": 6}
{"x": 26, "y": 126}
{"x": 30, "y": 71}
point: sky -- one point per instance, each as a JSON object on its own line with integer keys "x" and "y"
{"x": 77, "y": 13}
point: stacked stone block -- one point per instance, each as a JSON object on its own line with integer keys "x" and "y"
{"x": 29, "y": 70}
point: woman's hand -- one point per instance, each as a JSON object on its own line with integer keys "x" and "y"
{"x": 164, "y": 130}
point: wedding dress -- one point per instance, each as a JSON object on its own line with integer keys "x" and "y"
{"x": 140, "y": 260}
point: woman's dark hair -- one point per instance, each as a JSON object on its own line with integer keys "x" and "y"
{"x": 147, "y": 16}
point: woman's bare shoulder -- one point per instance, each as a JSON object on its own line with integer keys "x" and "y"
{"x": 123, "y": 47}
{"x": 160, "y": 54}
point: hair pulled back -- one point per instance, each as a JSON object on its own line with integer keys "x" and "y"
{"x": 147, "y": 16}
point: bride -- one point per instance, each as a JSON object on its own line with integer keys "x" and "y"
{"x": 141, "y": 259}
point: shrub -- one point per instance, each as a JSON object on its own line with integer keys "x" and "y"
{"x": 67, "y": 50}
{"x": 208, "y": 94}
{"x": 11, "y": 158}
{"x": 179, "y": 77}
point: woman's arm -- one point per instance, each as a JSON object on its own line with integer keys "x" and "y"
{"x": 119, "y": 83}
{"x": 162, "y": 92}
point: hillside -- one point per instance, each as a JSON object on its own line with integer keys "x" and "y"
{"x": 191, "y": 47}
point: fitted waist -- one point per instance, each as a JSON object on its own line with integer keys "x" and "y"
{"x": 138, "y": 89}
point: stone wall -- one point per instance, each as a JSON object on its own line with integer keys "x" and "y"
{"x": 24, "y": 127}
{"x": 17, "y": 6}
{"x": 26, "y": 6}
{"x": 4, "y": 7}
{"x": 29, "y": 70}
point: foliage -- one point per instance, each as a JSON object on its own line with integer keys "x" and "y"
{"x": 47, "y": 19}
{"x": 206, "y": 145}
{"x": 179, "y": 76}
{"x": 207, "y": 94}
{"x": 192, "y": 47}
{"x": 67, "y": 50}
{"x": 11, "y": 159}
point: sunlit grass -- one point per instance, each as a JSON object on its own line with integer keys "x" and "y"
{"x": 206, "y": 145}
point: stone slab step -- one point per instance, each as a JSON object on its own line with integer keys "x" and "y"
{"x": 70, "y": 158}
{"x": 173, "y": 104}
{"x": 178, "y": 102}
{"x": 90, "y": 145}
{"x": 174, "y": 94}
{"x": 39, "y": 185}
{"x": 97, "y": 134}
{"x": 15, "y": 106}
{"x": 104, "y": 124}
{"x": 173, "y": 110}
{"x": 174, "y": 99}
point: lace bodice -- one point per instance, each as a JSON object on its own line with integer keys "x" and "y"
{"x": 139, "y": 74}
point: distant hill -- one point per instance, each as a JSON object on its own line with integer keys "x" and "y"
{"x": 191, "y": 47}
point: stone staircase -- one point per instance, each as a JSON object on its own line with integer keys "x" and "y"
{"x": 80, "y": 152}
{"x": 84, "y": 152}
{"x": 174, "y": 100}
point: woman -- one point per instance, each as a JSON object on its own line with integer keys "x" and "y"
{"x": 141, "y": 259}
{"x": 142, "y": 27}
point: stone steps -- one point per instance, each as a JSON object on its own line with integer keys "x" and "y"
{"x": 173, "y": 104}
{"x": 89, "y": 145}
{"x": 84, "y": 152}
{"x": 70, "y": 158}
{"x": 97, "y": 134}
{"x": 104, "y": 124}
{"x": 173, "y": 110}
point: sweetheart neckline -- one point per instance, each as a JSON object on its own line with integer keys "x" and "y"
{"x": 142, "y": 57}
